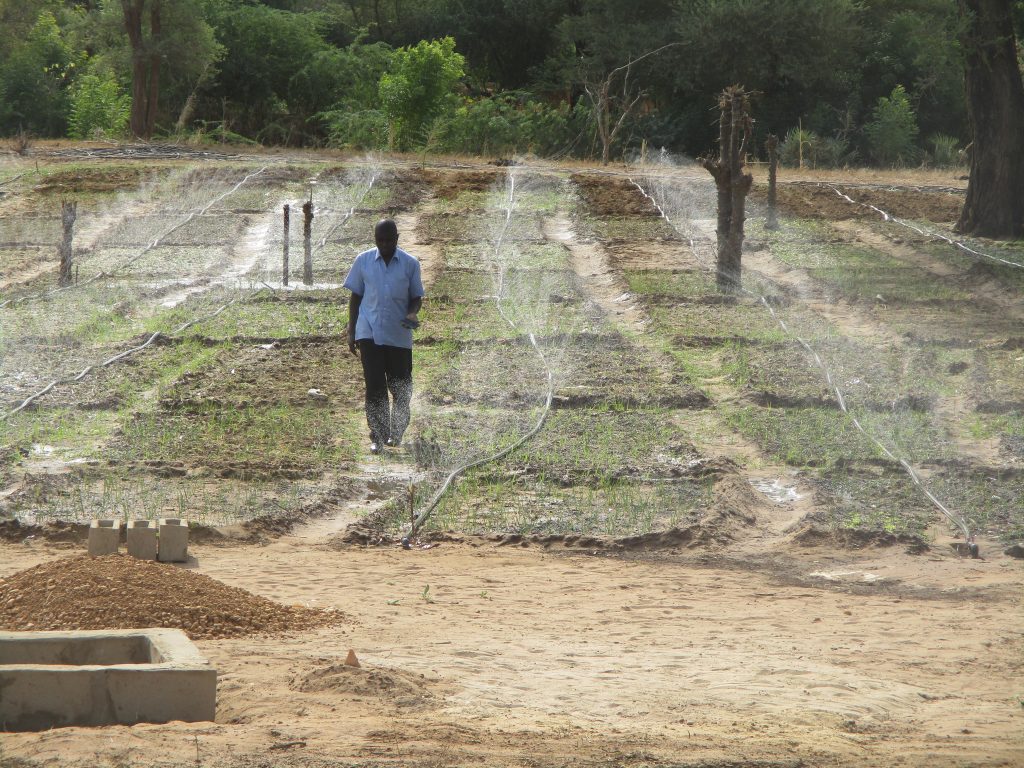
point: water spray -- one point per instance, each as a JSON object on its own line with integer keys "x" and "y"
{"x": 184, "y": 326}
{"x": 956, "y": 520}
{"x": 886, "y": 216}
{"x": 419, "y": 520}
{"x": 132, "y": 259}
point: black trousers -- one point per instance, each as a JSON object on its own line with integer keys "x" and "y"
{"x": 386, "y": 369}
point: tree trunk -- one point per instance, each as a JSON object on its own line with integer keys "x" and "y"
{"x": 155, "y": 33}
{"x": 734, "y": 126}
{"x": 145, "y": 65}
{"x": 995, "y": 105}
{"x": 132, "y": 10}
{"x": 739, "y": 186}
{"x": 771, "y": 219}
{"x": 68, "y": 213}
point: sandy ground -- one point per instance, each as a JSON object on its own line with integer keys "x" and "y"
{"x": 526, "y": 657}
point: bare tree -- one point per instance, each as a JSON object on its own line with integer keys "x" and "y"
{"x": 615, "y": 93}
{"x": 145, "y": 63}
{"x": 734, "y": 133}
{"x": 995, "y": 105}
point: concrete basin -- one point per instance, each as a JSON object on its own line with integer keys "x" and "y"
{"x": 105, "y": 677}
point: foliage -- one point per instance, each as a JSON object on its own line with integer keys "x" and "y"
{"x": 264, "y": 49}
{"x": 804, "y": 63}
{"x": 98, "y": 106}
{"x": 306, "y": 72}
{"x": 419, "y": 89}
{"x": 512, "y": 123}
{"x": 798, "y": 146}
{"x": 946, "y": 151}
{"x": 34, "y": 81}
{"x": 892, "y": 131}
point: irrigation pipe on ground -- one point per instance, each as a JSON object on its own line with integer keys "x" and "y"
{"x": 420, "y": 519}
{"x": 956, "y": 520}
{"x": 160, "y": 334}
{"x": 924, "y": 232}
{"x": 132, "y": 259}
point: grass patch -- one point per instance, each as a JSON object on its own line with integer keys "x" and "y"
{"x": 824, "y": 438}
{"x": 528, "y": 506}
{"x": 288, "y": 318}
{"x": 128, "y": 497}
{"x": 678, "y": 284}
{"x": 283, "y": 435}
{"x": 641, "y": 228}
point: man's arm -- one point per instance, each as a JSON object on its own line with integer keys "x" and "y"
{"x": 414, "y": 307}
{"x": 353, "y": 315}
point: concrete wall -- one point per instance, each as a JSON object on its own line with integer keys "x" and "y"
{"x": 178, "y": 685}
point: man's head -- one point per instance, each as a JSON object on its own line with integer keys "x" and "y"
{"x": 385, "y": 235}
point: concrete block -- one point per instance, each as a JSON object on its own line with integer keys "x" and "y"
{"x": 142, "y": 539}
{"x": 173, "y": 540}
{"x": 106, "y": 677}
{"x": 104, "y": 537}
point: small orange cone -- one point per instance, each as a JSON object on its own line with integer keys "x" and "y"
{"x": 351, "y": 660}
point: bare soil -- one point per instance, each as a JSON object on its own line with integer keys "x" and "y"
{"x": 474, "y": 655}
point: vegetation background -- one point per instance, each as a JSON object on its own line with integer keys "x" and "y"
{"x": 843, "y": 81}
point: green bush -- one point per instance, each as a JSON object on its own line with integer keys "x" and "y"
{"x": 511, "y": 123}
{"x": 795, "y": 140}
{"x": 892, "y": 131}
{"x": 354, "y": 128}
{"x": 34, "y": 81}
{"x": 98, "y": 107}
{"x": 945, "y": 151}
{"x": 419, "y": 89}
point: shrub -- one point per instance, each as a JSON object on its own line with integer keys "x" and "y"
{"x": 98, "y": 107}
{"x": 419, "y": 89}
{"x": 511, "y": 123}
{"x": 946, "y": 151}
{"x": 354, "y": 128}
{"x": 798, "y": 140}
{"x": 892, "y": 131}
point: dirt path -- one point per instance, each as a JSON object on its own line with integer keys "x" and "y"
{"x": 528, "y": 658}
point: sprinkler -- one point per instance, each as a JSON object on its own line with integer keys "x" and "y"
{"x": 418, "y": 521}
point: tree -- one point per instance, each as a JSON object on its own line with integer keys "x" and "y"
{"x": 612, "y": 107}
{"x": 419, "y": 89}
{"x": 892, "y": 132}
{"x": 994, "y": 206}
{"x": 146, "y": 59}
{"x": 799, "y": 56}
{"x": 735, "y": 127}
{"x": 274, "y": 61}
{"x": 34, "y": 81}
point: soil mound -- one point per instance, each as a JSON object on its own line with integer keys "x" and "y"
{"x": 853, "y": 538}
{"x": 395, "y": 685}
{"x": 120, "y": 592}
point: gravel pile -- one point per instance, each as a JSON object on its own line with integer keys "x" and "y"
{"x": 121, "y": 592}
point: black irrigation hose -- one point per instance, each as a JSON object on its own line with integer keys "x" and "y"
{"x": 957, "y": 520}
{"x": 420, "y": 519}
{"x": 921, "y": 231}
{"x": 159, "y": 334}
{"x": 131, "y": 260}
{"x": 121, "y": 356}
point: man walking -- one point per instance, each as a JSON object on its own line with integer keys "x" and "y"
{"x": 387, "y": 294}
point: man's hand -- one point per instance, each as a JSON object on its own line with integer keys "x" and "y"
{"x": 411, "y": 321}
{"x": 352, "y": 343}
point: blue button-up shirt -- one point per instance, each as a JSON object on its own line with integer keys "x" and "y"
{"x": 387, "y": 290}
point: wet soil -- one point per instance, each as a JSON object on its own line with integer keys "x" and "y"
{"x": 813, "y": 200}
